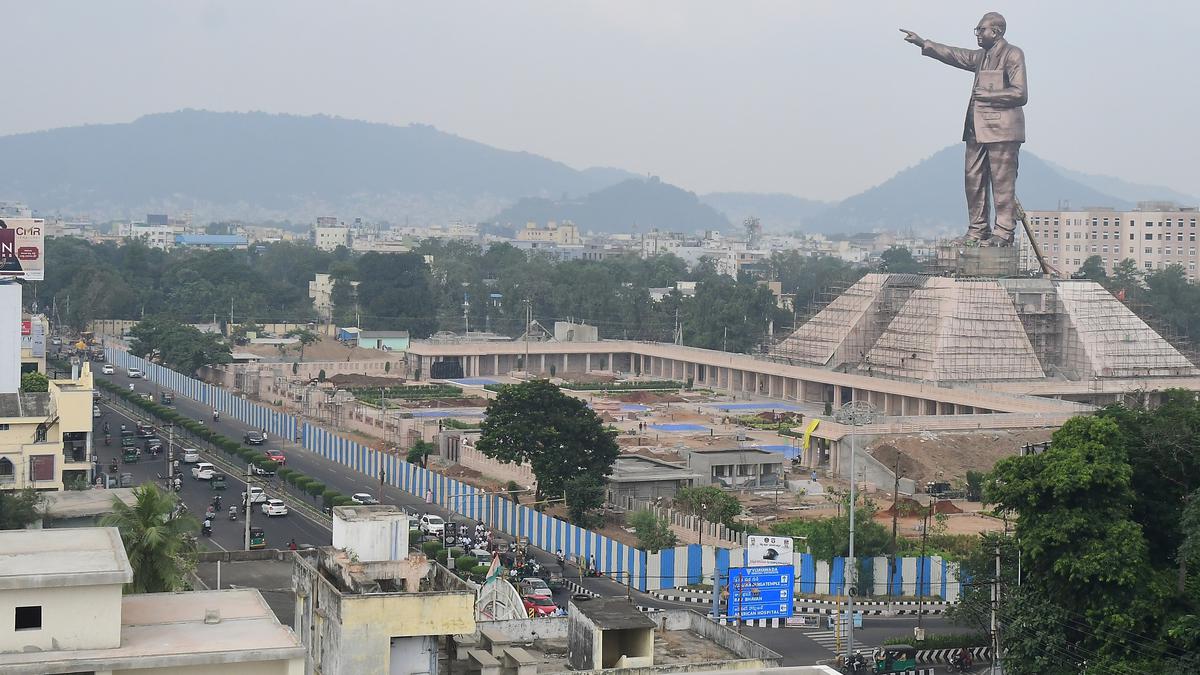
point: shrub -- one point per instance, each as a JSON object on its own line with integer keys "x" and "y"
{"x": 315, "y": 488}
{"x": 302, "y": 482}
{"x": 440, "y": 556}
{"x": 285, "y": 475}
{"x": 479, "y": 571}
{"x": 430, "y": 548}
{"x": 456, "y": 551}
{"x": 414, "y": 535}
{"x": 465, "y": 563}
{"x": 329, "y": 495}
{"x": 343, "y": 500}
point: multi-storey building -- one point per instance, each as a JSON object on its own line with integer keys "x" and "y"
{"x": 563, "y": 234}
{"x": 45, "y": 437}
{"x": 329, "y": 238}
{"x": 1154, "y": 236}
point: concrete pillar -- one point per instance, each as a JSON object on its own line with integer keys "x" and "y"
{"x": 587, "y": 363}
{"x": 543, "y": 368}
{"x": 496, "y": 364}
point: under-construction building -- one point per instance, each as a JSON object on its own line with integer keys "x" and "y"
{"x": 968, "y": 329}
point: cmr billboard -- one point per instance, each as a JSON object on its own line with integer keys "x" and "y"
{"x": 22, "y": 243}
{"x": 761, "y": 550}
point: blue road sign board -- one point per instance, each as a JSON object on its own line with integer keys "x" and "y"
{"x": 760, "y": 592}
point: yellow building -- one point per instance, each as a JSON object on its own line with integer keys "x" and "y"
{"x": 35, "y": 338}
{"x": 64, "y": 611}
{"x": 46, "y": 437}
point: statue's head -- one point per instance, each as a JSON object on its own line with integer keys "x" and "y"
{"x": 990, "y": 28}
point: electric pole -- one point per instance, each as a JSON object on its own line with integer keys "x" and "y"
{"x": 247, "y": 503}
{"x": 995, "y": 668}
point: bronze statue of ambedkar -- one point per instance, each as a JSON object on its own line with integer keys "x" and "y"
{"x": 995, "y": 124}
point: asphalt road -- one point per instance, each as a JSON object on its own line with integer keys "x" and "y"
{"x": 799, "y": 646}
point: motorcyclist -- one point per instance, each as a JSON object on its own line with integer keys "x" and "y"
{"x": 292, "y": 545}
{"x": 106, "y": 428}
{"x": 233, "y": 513}
{"x": 216, "y": 415}
{"x": 206, "y": 529}
{"x": 962, "y": 659}
{"x": 107, "y": 439}
{"x": 559, "y": 557}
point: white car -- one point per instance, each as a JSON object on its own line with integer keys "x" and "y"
{"x": 535, "y": 586}
{"x": 257, "y": 496}
{"x": 431, "y": 524}
{"x": 108, "y": 369}
{"x": 95, "y": 411}
{"x": 363, "y": 498}
{"x": 274, "y": 507}
{"x": 203, "y": 471}
{"x": 190, "y": 456}
{"x": 133, "y": 373}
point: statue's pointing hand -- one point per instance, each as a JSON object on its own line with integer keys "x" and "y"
{"x": 912, "y": 37}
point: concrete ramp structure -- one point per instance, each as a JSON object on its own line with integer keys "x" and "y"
{"x": 1103, "y": 338}
{"x": 955, "y": 330}
{"x": 830, "y": 338}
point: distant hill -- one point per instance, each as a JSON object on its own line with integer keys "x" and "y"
{"x": 1122, "y": 189}
{"x": 262, "y": 166}
{"x": 930, "y": 195}
{"x": 776, "y": 211}
{"x": 632, "y": 205}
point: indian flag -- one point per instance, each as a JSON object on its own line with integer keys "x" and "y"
{"x": 493, "y": 569}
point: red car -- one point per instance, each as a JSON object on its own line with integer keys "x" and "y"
{"x": 276, "y": 456}
{"x": 539, "y": 605}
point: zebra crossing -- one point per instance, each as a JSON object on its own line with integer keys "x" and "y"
{"x": 829, "y": 640}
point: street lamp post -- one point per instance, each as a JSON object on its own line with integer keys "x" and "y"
{"x": 855, "y": 414}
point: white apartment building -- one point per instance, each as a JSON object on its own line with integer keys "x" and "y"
{"x": 329, "y": 238}
{"x": 155, "y": 236}
{"x": 1154, "y": 235}
{"x": 62, "y": 610}
{"x": 320, "y": 291}
{"x": 564, "y": 234}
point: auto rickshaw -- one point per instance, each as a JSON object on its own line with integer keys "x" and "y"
{"x": 126, "y": 480}
{"x": 129, "y": 455}
{"x": 217, "y": 482}
{"x": 128, "y": 441}
{"x": 894, "y": 659}
{"x": 166, "y": 398}
{"x": 258, "y": 538}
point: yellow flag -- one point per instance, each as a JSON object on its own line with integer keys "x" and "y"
{"x": 808, "y": 430}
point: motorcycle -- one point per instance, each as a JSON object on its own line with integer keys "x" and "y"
{"x": 233, "y": 513}
{"x": 107, "y": 439}
{"x": 178, "y": 485}
{"x": 961, "y": 663}
{"x": 206, "y": 529}
{"x": 560, "y": 558}
{"x": 216, "y": 415}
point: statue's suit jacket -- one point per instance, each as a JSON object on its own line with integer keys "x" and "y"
{"x": 997, "y": 116}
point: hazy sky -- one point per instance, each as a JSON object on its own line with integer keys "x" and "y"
{"x": 818, "y": 99}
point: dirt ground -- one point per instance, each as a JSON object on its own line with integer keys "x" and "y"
{"x": 924, "y": 455}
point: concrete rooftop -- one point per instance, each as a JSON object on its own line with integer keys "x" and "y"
{"x": 613, "y": 613}
{"x": 79, "y": 503}
{"x": 168, "y": 630}
{"x": 57, "y": 558}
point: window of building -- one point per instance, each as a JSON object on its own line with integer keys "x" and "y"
{"x": 1094, "y": 221}
{"x": 1131, "y": 235}
{"x": 1077, "y": 261}
{"x": 1106, "y": 235}
{"x": 1191, "y": 265}
{"x": 1160, "y": 236}
{"x": 1149, "y": 265}
{"x": 29, "y": 618}
{"x": 1149, "y": 237}
{"x": 1191, "y": 251}
{"x": 1192, "y": 222}
{"x": 6, "y": 470}
{"x": 3, "y": 427}
{"x": 1149, "y": 250}
{"x": 1149, "y": 223}
{"x": 1056, "y": 234}
{"x": 1105, "y": 248}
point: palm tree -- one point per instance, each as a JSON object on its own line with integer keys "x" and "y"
{"x": 160, "y": 543}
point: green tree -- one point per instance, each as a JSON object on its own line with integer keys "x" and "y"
{"x": 419, "y": 452}
{"x": 19, "y": 508}
{"x": 160, "y": 543}
{"x": 178, "y": 345}
{"x": 711, "y": 502}
{"x": 305, "y": 337}
{"x": 653, "y": 533}
{"x": 557, "y": 435}
{"x": 1093, "y": 268}
{"x": 584, "y": 494}
{"x": 34, "y": 381}
{"x": 1081, "y": 549}
{"x": 899, "y": 260}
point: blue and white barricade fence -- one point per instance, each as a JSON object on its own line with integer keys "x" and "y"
{"x": 642, "y": 570}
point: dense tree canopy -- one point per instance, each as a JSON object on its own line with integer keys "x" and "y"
{"x": 178, "y": 345}
{"x": 557, "y": 435}
{"x": 425, "y": 291}
{"x": 1103, "y": 526}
